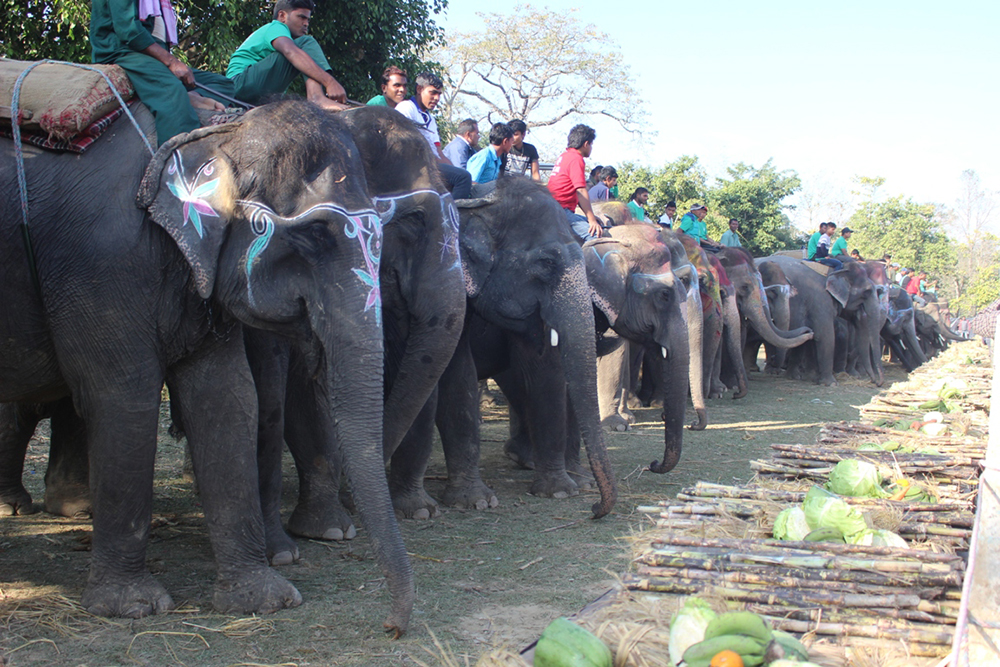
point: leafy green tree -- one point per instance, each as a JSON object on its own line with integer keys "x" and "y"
{"x": 754, "y": 196}
{"x": 981, "y": 291}
{"x": 539, "y": 66}
{"x": 359, "y": 37}
{"x": 682, "y": 180}
{"x": 910, "y": 232}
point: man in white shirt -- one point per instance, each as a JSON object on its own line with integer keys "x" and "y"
{"x": 418, "y": 109}
{"x": 669, "y": 211}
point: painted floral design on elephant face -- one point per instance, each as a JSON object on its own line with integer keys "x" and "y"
{"x": 194, "y": 192}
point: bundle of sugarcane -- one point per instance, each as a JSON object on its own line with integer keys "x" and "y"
{"x": 956, "y": 464}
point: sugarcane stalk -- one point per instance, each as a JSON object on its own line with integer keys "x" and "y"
{"x": 813, "y": 561}
{"x": 780, "y": 546}
{"x": 922, "y": 634}
{"x": 902, "y": 616}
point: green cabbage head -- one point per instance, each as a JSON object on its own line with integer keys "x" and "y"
{"x": 826, "y": 510}
{"x": 791, "y": 524}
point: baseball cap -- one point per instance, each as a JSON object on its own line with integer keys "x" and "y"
{"x": 695, "y": 207}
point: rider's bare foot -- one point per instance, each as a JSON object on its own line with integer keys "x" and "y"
{"x": 202, "y": 102}
{"x": 328, "y": 104}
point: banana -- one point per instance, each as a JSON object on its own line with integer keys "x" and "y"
{"x": 794, "y": 649}
{"x": 740, "y": 623}
{"x": 750, "y": 649}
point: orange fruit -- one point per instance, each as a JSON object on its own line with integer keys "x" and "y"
{"x": 726, "y": 658}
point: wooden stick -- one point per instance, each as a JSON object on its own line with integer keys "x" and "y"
{"x": 922, "y": 634}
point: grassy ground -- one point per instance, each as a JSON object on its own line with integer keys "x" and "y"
{"x": 483, "y": 577}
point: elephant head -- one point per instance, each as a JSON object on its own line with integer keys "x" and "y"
{"x": 779, "y": 292}
{"x": 932, "y": 325}
{"x": 860, "y": 305}
{"x": 642, "y": 296}
{"x": 273, "y": 216}
{"x": 899, "y": 330}
{"x": 524, "y": 272}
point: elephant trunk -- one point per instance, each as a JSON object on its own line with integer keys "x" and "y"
{"x": 734, "y": 343}
{"x": 696, "y": 368}
{"x": 868, "y": 328}
{"x": 947, "y": 333}
{"x": 570, "y": 317}
{"x": 356, "y": 395}
{"x": 758, "y": 311}
{"x": 675, "y": 367}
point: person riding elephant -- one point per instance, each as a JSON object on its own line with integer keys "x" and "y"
{"x": 753, "y": 311}
{"x": 818, "y": 300}
{"x": 639, "y": 297}
{"x": 529, "y": 306}
{"x": 237, "y": 225}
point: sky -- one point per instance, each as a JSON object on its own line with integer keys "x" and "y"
{"x": 907, "y": 91}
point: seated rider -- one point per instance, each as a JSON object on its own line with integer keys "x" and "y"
{"x": 137, "y": 37}
{"x": 418, "y": 109}
{"x": 272, "y": 57}
{"x": 819, "y": 247}
{"x": 394, "y": 84}
{"x": 692, "y": 224}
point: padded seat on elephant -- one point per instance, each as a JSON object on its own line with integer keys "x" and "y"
{"x": 821, "y": 269}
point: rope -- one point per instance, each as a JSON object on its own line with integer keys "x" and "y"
{"x": 22, "y": 181}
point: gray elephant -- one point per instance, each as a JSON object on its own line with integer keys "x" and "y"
{"x": 899, "y": 331}
{"x": 744, "y": 285}
{"x": 779, "y": 291}
{"x": 932, "y": 325}
{"x": 264, "y": 222}
{"x": 529, "y": 307}
{"x": 818, "y": 301}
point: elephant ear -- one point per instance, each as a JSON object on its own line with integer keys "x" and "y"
{"x": 188, "y": 189}
{"x": 477, "y": 253}
{"x": 839, "y": 287}
{"x": 607, "y": 273}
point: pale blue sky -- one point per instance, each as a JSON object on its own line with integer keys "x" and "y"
{"x": 903, "y": 90}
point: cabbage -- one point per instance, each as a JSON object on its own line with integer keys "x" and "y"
{"x": 878, "y": 538}
{"x": 791, "y": 524}
{"x": 870, "y": 447}
{"x": 687, "y": 627}
{"x": 856, "y": 478}
{"x": 825, "y": 510}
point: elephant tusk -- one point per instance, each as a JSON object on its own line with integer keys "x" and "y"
{"x": 663, "y": 351}
{"x": 554, "y": 338}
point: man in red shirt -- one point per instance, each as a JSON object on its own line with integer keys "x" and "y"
{"x": 568, "y": 182}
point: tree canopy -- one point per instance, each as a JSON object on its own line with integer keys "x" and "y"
{"x": 911, "y": 232}
{"x": 538, "y": 66}
{"x": 359, "y": 37}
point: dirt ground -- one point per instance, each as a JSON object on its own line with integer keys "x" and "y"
{"x": 484, "y": 578}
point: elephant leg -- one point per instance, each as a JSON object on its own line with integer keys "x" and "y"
{"x": 635, "y": 363}
{"x": 518, "y": 446}
{"x": 67, "y": 486}
{"x": 318, "y": 514}
{"x": 268, "y": 356}
{"x": 457, "y": 419}
{"x": 219, "y": 402}
{"x": 711, "y": 342}
{"x": 409, "y": 463}
{"x": 17, "y": 425}
{"x": 613, "y": 388}
{"x": 825, "y": 339}
{"x": 650, "y": 393}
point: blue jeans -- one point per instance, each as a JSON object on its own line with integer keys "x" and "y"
{"x": 834, "y": 264}
{"x": 579, "y": 225}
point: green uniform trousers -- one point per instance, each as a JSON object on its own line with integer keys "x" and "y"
{"x": 273, "y": 75}
{"x": 165, "y": 95}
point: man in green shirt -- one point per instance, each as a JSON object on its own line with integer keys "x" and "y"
{"x": 636, "y": 203}
{"x": 140, "y": 45}
{"x": 394, "y": 83}
{"x": 272, "y": 57}
{"x": 840, "y": 245}
{"x": 731, "y": 238}
{"x": 814, "y": 242}
{"x": 692, "y": 224}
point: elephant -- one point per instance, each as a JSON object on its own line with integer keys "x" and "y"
{"x": 778, "y": 291}
{"x": 931, "y": 321}
{"x": 529, "y": 307}
{"x": 746, "y": 289}
{"x": 423, "y": 307}
{"x": 818, "y": 301}
{"x": 263, "y": 223}
{"x": 899, "y": 330}
{"x": 639, "y": 298}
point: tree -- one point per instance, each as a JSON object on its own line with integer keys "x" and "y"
{"x": 754, "y": 197}
{"x": 359, "y": 38}
{"x": 912, "y": 233}
{"x": 538, "y": 66}
{"x": 682, "y": 180}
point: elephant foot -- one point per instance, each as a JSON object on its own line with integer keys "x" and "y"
{"x": 519, "y": 452}
{"x": 556, "y": 484}
{"x": 470, "y": 495}
{"x": 772, "y": 370}
{"x": 633, "y": 402}
{"x": 259, "y": 590}
{"x": 616, "y": 423}
{"x": 581, "y": 476}
{"x": 330, "y": 522}
{"x": 71, "y": 501}
{"x": 655, "y": 403}
{"x": 134, "y": 599}
{"x": 829, "y": 381}
{"x": 414, "y": 505}
{"x": 17, "y": 503}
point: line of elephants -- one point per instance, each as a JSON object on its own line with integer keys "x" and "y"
{"x": 304, "y": 278}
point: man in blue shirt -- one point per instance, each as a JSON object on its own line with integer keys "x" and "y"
{"x": 693, "y": 225}
{"x": 602, "y": 191}
{"x": 464, "y": 144}
{"x": 484, "y": 166}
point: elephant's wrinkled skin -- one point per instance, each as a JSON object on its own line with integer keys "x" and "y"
{"x": 778, "y": 291}
{"x": 529, "y": 308}
{"x": 899, "y": 330}
{"x": 931, "y": 320}
{"x": 243, "y": 225}
{"x": 817, "y": 302}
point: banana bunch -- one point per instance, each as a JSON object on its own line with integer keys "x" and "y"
{"x": 749, "y": 635}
